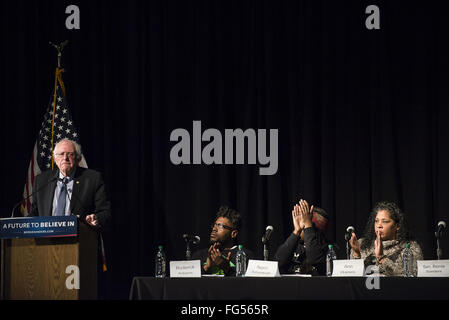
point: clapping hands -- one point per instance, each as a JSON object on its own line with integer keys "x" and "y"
{"x": 378, "y": 247}
{"x": 216, "y": 258}
{"x": 301, "y": 216}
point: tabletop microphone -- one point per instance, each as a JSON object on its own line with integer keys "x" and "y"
{"x": 268, "y": 231}
{"x": 348, "y": 235}
{"x": 191, "y": 238}
{"x": 440, "y": 226}
{"x": 349, "y": 231}
{"x": 265, "y": 239}
{"x": 32, "y": 194}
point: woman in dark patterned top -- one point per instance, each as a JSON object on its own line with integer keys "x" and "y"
{"x": 386, "y": 235}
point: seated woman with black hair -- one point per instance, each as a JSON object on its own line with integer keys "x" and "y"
{"x": 304, "y": 251}
{"x": 385, "y": 238}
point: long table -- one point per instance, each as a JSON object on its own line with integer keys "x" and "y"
{"x": 289, "y": 288}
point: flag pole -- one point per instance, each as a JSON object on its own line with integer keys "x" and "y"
{"x": 58, "y": 72}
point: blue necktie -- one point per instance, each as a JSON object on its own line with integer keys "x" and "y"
{"x": 60, "y": 209}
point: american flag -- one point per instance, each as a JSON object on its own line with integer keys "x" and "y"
{"x": 57, "y": 125}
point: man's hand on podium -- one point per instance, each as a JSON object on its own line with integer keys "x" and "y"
{"x": 92, "y": 220}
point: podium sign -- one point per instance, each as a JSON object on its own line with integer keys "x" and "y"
{"x": 48, "y": 258}
{"x": 38, "y": 227}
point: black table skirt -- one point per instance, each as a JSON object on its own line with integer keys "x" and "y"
{"x": 289, "y": 288}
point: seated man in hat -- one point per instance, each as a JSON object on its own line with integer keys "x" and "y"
{"x": 304, "y": 251}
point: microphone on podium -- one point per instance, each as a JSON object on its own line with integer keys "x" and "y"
{"x": 32, "y": 194}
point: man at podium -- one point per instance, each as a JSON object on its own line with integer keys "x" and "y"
{"x": 71, "y": 189}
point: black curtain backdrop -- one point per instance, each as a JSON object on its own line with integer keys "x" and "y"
{"x": 362, "y": 114}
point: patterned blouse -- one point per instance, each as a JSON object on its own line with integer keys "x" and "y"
{"x": 392, "y": 250}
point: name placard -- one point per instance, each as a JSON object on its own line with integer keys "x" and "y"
{"x": 262, "y": 268}
{"x": 433, "y": 268}
{"x": 38, "y": 227}
{"x": 348, "y": 268}
{"x": 185, "y": 269}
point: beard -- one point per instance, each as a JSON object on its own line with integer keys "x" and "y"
{"x": 215, "y": 241}
{"x": 220, "y": 241}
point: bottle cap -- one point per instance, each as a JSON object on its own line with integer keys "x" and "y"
{"x": 240, "y": 247}
{"x": 407, "y": 245}
{"x": 331, "y": 246}
{"x": 160, "y": 247}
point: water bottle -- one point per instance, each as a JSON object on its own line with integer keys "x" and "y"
{"x": 407, "y": 261}
{"x": 160, "y": 263}
{"x": 330, "y": 257}
{"x": 240, "y": 262}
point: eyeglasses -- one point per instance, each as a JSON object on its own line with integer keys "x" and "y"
{"x": 221, "y": 226}
{"x": 65, "y": 154}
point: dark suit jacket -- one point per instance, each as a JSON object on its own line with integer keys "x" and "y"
{"x": 88, "y": 196}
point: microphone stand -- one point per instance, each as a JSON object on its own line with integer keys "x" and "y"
{"x": 265, "y": 252}
{"x": 265, "y": 249}
{"x": 347, "y": 238}
{"x": 439, "y": 251}
{"x": 188, "y": 253}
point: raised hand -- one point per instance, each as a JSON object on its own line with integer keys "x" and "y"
{"x": 378, "y": 247}
{"x": 305, "y": 213}
{"x": 296, "y": 217}
{"x": 354, "y": 245}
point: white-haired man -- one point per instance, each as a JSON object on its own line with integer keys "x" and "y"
{"x": 71, "y": 189}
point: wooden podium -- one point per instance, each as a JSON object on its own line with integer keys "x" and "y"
{"x": 46, "y": 268}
